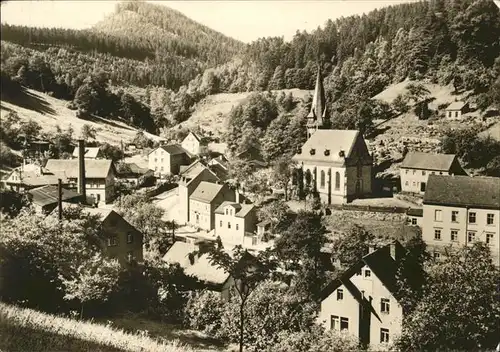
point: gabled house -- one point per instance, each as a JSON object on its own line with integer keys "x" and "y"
{"x": 460, "y": 210}
{"x": 196, "y": 264}
{"x": 253, "y": 157}
{"x": 363, "y": 300}
{"x": 339, "y": 164}
{"x": 121, "y": 240}
{"x": 32, "y": 176}
{"x": 417, "y": 166}
{"x": 235, "y": 224}
{"x": 44, "y": 199}
{"x": 131, "y": 172}
{"x": 90, "y": 153}
{"x": 203, "y": 202}
{"x": 190, "y": 178}
{"x": 456, "y": 109}
{"x": 220, "y": 166}
{"x": 414, "y": 216}
{"x": 167, "y": 160}
{"x": 99, "y": 176}
{"x": 193, "y": 143}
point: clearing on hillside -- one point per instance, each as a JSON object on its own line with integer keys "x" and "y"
{"x": 50, "y": 112}
{"x": 211, "y": 113}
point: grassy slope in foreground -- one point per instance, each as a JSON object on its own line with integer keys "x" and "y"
{"x": 28, "y": 330}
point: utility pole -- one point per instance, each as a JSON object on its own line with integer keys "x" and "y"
{"x": 59, "y": 199}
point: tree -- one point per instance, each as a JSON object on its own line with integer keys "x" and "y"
{"x": 493, "y": 167}
{"x": 460, "y": 305}
{"x": 350, "y": 247}
{"x": 278, "y": 80}
{"x": 93, "y": 281}
{"x": 247, "y": 271}
{"x": 112, "y": 152}
{"x": 416, "y": 92}
{"x": 278, "y": 213}
{"x": 271, "y": 309}
{"x": 30, "y": 129}
{"x": 282, "y": 173}
{"x": 87, "y": 132}
{"x": 299, "y": 249}
{"x": 400, "y": 104}
{"x": 146, "y": 217}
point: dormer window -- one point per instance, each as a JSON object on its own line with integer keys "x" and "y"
{"x": 299, "y": 150}
{"x": 327, "y": 152}
{"x": 342, "y": 154}
{"x": 312, "y": 151}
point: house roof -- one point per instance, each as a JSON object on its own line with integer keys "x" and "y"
{"x": 174, "y": 149}
{"x": 242, "y": 209}
{"x": 202, "y": 269}
{"x": 332, "y": 140}
{"x": 48, "y": 194}
{"x": 90, "y": 152}
{"x": 179, "y": 253}
{"x": 480, "y": 192}
{"x": 192, "y": 170}
{"x": 456, "y": 105}
{"x": 194, "y": 135}
{"x": 132, "y": 169}
{"x": 380, "y": 263}
{"x": 93, "y": 168}
{"x": 428, "y": 161}
{"x": 205, "y": 271}
{"x": 35, "y": 176}
{"x": 206, "y": 191}
{"x": 415, "y": 212}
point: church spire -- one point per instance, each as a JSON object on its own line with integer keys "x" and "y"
{"x": 318, "y": 107}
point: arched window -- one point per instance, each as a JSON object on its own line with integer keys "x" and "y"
{"x": 322, "y": 179}
{"x": 337, "y": 180}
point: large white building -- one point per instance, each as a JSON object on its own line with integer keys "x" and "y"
{"x": 339, "y": 163}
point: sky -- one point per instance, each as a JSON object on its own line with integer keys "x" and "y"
{"x": 243, "y": 20}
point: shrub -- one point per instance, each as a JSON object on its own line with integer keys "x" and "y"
{"x": 203, "y": 312}
{"x": 7, "y": 157}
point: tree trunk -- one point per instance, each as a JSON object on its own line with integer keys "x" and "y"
{"x": 242, "y": 317}
{"x": 81, "y": 312}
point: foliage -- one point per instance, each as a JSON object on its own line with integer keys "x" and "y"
{"x": 43, "y": 332}
{"x": 93, "y": 281}
{"x": 493, "y": 167}
{"x": 278, "y": 213}
{"x": 350, "y": 247}
{"x": 204, "y": 311}
{"x": 7, "y": 157}
{"x": 400, "y": 104}
{"x": 247, "y": 272}
{"x": 111, "y": 152}
{"x": 270, "y": 309}
{"x": 474, "y": 150}
{"x": 87, "y": 132}
{"x": 282, "y": 173}
{"x": 146, "y": 217}
{"x": 11, "y": 202}
{"x": 283, "y": 136}
{"x": 315, "y": 340}
{"x": 460, "y": 305}
{"x": 35, "y": 252}
{"x": 299, "y": 249}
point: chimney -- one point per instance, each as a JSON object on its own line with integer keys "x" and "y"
{"x": 237, "y": 195}
{"x": 392, "y": 249}
{"x": 81, "y": 170}
{"x": 59, "y": 198}
{"x": 371, "y": 248}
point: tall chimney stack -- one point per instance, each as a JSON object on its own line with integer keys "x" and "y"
{"x": 59, "y": 198}
{"x": 81, "y": 170}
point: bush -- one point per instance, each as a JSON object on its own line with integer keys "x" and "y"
{"x": 7, "y": 157}
{"x": 203, "y": 312}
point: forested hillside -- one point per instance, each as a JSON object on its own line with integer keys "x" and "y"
{"x": 441, "y": 41}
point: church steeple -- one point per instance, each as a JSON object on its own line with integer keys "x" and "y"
{"x": 317, "y": 115}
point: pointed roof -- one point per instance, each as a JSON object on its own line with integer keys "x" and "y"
{"x": 318, "y": 107}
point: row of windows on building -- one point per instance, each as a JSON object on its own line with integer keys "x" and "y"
{"x": 414, "y": 172}
{"x": 113, "y": 240}
{"x": 342, "y": 323}
{"x": 156, "y": 168}
{"x": 385, "y": 303}
{"x": 471, "y": 236}
{"x": 221, "y": 224}
{"x": 438, "y": 216}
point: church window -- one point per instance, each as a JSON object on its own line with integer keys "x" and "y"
{"x": 322, "y": 179}
{"x": 337, "y": 180}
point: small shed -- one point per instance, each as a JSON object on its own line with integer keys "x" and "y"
{"x": 456, "y": 109}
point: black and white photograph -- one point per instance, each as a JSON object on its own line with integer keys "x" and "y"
{"x": 250, "y": 175}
